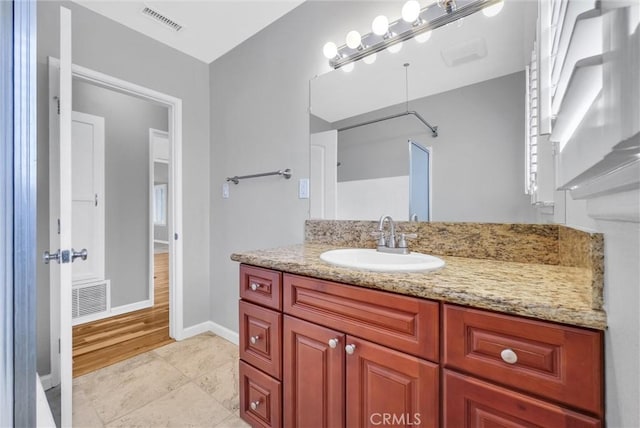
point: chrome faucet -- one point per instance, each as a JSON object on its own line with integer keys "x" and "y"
{"x": 389, "y": 243}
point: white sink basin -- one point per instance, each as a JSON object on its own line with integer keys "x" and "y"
{"x": 371, "y": 259}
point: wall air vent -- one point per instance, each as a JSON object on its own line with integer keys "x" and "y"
{"x": 158, "y": 17}
{"x": 90, "y": 301}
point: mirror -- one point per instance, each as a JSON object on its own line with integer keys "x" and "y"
{"x": 468, "y": 79}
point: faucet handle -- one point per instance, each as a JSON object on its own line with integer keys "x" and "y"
{"x": 402, "y": 243}
{"x": 380, "y": 235}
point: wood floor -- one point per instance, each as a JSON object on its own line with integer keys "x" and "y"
{"x": 101, "y": 343}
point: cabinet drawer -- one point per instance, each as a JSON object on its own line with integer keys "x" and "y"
{"x": 471, "y": 403}
{"x": 400, "y": 322}
{"x": 261, "y": 286}
{"x": 261, "y": 338}
{"x": 260, "y": 398}
{"x": 558, "y": 362}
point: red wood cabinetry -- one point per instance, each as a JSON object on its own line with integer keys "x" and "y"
{"x": 390, "y": 388}
{"x": 316, "y": 353}
{"x": 314, "y": 372}
{"x": 472, "y": 403}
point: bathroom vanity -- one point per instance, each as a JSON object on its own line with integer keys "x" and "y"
{"x": 481, "y": 341}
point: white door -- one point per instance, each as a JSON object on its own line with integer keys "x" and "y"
{"x": 88, "y": 205}
{"x": 60, "y": 213}
{"x": 324, "y": 175}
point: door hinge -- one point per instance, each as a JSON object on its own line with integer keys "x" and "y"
{"x": 57, "y": 101}
{"x": 175, "y": 236}
{"x": 96, "y": 200}
{"x": 58, "y": 226}
{"x": 58, "y": 345}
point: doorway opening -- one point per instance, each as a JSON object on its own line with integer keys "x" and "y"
{"x": 108, "y": 334}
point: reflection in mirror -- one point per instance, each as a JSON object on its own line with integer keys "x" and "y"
{"x": 468, "y": 80}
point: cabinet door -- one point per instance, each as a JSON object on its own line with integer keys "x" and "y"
{"x": 313, "y": 375}
{"x": 471, "y": 403}
{"x": 388, "y": 388}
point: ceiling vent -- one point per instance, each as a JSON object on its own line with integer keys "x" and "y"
{"x": 158, "y": 17}
{"x": 462, "y": 53}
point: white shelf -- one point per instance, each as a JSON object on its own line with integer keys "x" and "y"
{"x": 583, "y": 88}
{"x": 586, "y": 42}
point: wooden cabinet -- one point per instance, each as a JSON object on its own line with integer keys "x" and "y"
{"x": 389, "y": 388}
{"x": 316, "y": 353}
{"x": 260, "y": 346}
{"x": 553, "y": 361}
{"x": 314, "y": 372}
{"x": 472, "y": 403}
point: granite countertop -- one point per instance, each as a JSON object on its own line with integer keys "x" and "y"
{"x": 547, "y": 292}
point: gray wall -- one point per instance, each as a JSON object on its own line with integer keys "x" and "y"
{"x": 127, "y": 122}
{"x": 103, "y": 45}
{"x": 477, "y": 167}
{"x": 259, "y": 123}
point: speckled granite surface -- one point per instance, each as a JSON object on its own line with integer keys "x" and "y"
{"x": 526, "y": 243}
{"x": 549, "y": 272}
{"x": 548, "y": 292}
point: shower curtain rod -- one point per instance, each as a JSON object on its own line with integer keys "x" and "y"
{"x": 434, "y": 129}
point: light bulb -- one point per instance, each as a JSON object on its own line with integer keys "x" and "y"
{"x": 423, "y": 37}
{"x": 370, "y": 59}
{"x": 411, "y": 11}
{"x": 494, "y": 9}
{"x": 353, "y": 39}
{"x": 380, "y": 25}
{"x": 330, "y": 50}
{"x": 395, "y": 48}
{"x": 348, "y": 68}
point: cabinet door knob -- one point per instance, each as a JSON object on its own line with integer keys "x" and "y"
{"x": 254, "y": 339}
{"x": 254, "y": 405}
{"x": 333, "y": 343}
{"x": 350, "y": 349}
{"x": 508, "y": 356}
{"x": 255, "y": 286}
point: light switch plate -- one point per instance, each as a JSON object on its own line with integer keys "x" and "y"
{"x": 225, "y": 190}
{"x": 303, "y": 188}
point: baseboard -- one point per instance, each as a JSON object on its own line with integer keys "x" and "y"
{"x": 119, "y": 310}
{"x": 210, "y": 326}
{"x": 45, "y": 380}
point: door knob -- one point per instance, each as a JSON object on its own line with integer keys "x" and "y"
{"x": 254, "y": 339}
{"x": 254, "y": 405}
{"x": 509, "y": 356}
{"x": 47, "y": 257}
{"x": 82, "y": 254}
{"x": 350, "y": 349}
{"x": 333, "y": 343}
{"x": 255, "y": 286}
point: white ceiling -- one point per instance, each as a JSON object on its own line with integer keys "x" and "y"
{"x": 210, "y": 27}
{"x": 508, "y": 38}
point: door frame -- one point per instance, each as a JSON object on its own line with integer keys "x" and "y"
{"x": 174, "y": 107}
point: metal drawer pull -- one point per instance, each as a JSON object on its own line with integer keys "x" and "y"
{"x": 254, "y": 405}
{"x": 255, "y": 286}
{"x": 508, "y": 356}
{"x": 333, "y": 343}
{"x": 254, "y": 339}
{"x": 350, "y": 349}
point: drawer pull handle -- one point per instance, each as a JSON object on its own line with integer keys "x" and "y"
{"x": 254, "y": 339}
{"x": 350, "y": 349}
{"x": 255, "y": 286}
{"x": 333, "y": 343}
{"x": 508, "y": 356}
{"x": 254, "y": 405}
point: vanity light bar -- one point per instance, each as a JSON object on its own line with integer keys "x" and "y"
{"x": 430, "y": 18}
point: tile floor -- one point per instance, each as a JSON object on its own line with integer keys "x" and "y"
{"x": 190, "y": 383}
